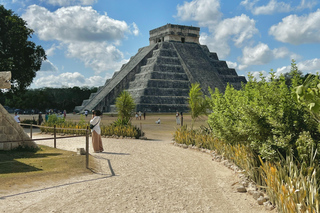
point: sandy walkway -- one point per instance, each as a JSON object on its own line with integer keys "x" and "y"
{"x": 137, "y": 176}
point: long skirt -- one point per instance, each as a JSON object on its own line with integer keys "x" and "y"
{"x": 96, "y": 142}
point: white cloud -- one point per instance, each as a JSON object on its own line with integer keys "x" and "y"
{"x": 51, "y": 50}
{"x": 135, "y": 29}
{"x": 281, "y": 52}
{"x": 69, "y": 2}
{"x": 312, "y": 65}
{"x": 232, "y": 64}
{"x": 260, "y": 54}
{"x": 282, "y": 70}
{"x": 205, "y": 12}
{"x": 298, "y": 29}
{"x": 66, "y": 80}
{"x": 85, "y": 34}
{"x": 98, "y": 56}
{"x": 239, "y": 29}
{"x": 275, "y": 6}
{"x": 48, "y": 66}
{"x": 272, "y": 7}
{"x": 307, "y": 4}
{"x": 74, "y": 23}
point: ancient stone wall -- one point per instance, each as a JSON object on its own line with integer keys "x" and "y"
{"x": 171, "y": 32}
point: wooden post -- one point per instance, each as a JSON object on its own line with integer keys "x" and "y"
{"x": 54, "y": 137}
{"x": 181, "y": 120}
{"x": 87, "y": 148}
{"x": 31, "y": 131}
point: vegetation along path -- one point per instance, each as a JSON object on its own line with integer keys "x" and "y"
{"x": 136, "y": 176}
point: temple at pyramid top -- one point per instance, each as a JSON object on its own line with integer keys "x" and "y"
{"x": 159, "y": 76}
{"x": 172, "y": 32}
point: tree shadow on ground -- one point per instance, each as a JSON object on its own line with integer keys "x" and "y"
{"x": 12, "y": 161}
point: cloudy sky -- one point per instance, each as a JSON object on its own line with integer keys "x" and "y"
{"x": 86, "y": 41}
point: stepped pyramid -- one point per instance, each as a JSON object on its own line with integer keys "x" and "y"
{"x": 159, "y": 75}
{"x": 10, "y": 130}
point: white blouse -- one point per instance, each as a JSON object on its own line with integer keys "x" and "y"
{"x": 96, "y": 121}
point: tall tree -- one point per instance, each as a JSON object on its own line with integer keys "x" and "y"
{"x": 17, "y": 54}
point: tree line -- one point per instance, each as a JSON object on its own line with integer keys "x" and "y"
{"x": 48, "y": 98}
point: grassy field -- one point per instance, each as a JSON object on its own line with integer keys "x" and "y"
{"x": 26, "y": 167}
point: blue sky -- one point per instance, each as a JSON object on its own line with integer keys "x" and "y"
{"x": 86, "y": 41}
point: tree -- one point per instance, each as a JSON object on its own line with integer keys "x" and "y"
{"x": 198, "y": 104}
{"x": 125, "y": 106}
{"x": 18, "y": 55}
{"x": 295, "y": 76}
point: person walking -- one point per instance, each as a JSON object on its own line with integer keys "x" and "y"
{"x": 40, "y": 119}
{"x": 96, "y": 131}
{"x": 177, "y": 118}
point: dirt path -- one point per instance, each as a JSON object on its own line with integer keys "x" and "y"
{"x": 137, "y": 176}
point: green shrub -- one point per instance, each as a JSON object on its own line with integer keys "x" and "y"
{"x": 264, "y": 115}
{"x": 29, "y": 121}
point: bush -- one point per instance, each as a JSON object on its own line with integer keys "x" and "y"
{"x": 264, "y": 115}
{"x": 29, "y": 121}
{"x": 121, "y": 130}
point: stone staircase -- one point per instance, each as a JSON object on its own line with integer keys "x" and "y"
{"x": 162, "y": 85}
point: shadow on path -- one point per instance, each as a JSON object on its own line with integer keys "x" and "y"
{"x": 58, "y": 186}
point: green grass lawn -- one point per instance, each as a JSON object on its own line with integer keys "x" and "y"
{"x": 23, "y": 167}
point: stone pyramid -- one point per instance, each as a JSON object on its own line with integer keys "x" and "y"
{"x": 10, "y": 130}
{"x": 159, "y": 75}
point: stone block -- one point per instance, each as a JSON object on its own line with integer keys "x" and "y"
{"x": 3, "y": 137}
{"x": 81, "y": 151}
{"x": 7, "y": 146}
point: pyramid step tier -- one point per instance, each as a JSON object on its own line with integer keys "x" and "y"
{"x": 162, "y": 68}
{"x": 150, "y": 99}
{"x": 160, "y": 83}
{"x": 165, "y": 52}
{"x": 164, "y": 60}
{"x": 157, "y": 108}
{"x": 162, "y": 75}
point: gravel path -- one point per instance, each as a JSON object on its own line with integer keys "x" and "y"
{"x": 137, "y": 176}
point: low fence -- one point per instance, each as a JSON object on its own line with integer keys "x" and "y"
{"x": 55, "y": 138}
